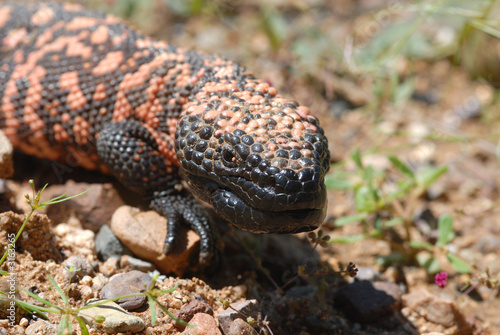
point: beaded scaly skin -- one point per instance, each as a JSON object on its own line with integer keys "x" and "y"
{"x": 81, "y": 83}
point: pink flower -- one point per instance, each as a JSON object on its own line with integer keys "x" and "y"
{"x": 441, "y": 279}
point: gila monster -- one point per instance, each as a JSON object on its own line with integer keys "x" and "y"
{"x": 82, "y": 83}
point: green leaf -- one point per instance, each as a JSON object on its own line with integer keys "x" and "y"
{"x": 34, "y": 296}
{"x": 458, "y": 264}
{"x": 402, "y": 167}
{"x": 61, "y": 293}
{"x": 393, "y": 222}
{"x": 345, "y": 220}
{"x": 420, "y": 245}
{"x": 334, "y": 182}
{"x": 428, "y": 176}
{"x": 363, "y": 200}
{"x": 430, "y": 264}
{"x": 31, "y": 309}
{"x": 152, "y": 309}
{"x": 392, "y": 258}
{"x": 83, "y": 326}
{"x": 3, "y": 273}
{"x": 347, "y": 239}
{"x": 64, "y": 326}
{"x": 356, "y": 157}
{"x": 445, "y": 230}
{"x": 402, "y": 189}
{"x": 403, "y": 91}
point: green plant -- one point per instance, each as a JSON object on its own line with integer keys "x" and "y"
{"x": 35, "y": 204}
{"x": 67, "y": 311}
{"x": 385, "y": 200}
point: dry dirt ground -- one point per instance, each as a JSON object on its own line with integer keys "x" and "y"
{"x": 302, "y": 47}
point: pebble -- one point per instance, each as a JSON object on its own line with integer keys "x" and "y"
{"x": 434, "y": 308}
{"x": 41, "y": 327}
{"x": 110, "y": 267}
{"x": 108, "y": 245}
{"x": 127, "y": 283}
{"x": 227, "y": 316}
{"x": 240, "y": 327}
{"x": 144, "y": 234}
{"x": 136, "y": 264}
{"x": 116, "y": 318}
{"x": 367, "y": 274}
{"x": 206, "y": 325}
{"x": 368, "y": 302}
{"x": 6, "y": 151}
{"x": 187, "y": 312}
{"x": 98, "y": 282}
{"x": 81, "y": 266}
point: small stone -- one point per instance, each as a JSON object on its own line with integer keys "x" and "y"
{"x": 81, "y": 266}
{"x": 41, "y": 327}
{"x": 116, "y": 318}
{"x": 127, "y": 283}
{"x": 240, "y": 327}
{"x": 109, "y": 267}
{"x": 368, "y": 302}
{"x": 246, "y": 307}
{"x": 98, "y": 282}
{"x": 6, "y": 163}
{"x": 144, "y": 234}
{"x": 367, "y": 274}
{"x": 108, "y": 245}
{"x": 17, "y": 330}
{"x": 24, "y": 322}
{"x": 187, "y": 312}
{"x": 206, "y": 325}
{"x": 93, "y": 208}
{"x": 136, "y": 264}
{"x": 435, "y": 309}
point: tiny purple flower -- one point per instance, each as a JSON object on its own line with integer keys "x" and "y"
{"x": 441, "y": 279}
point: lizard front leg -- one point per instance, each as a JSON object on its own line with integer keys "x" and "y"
{"x": 131, "y": 152}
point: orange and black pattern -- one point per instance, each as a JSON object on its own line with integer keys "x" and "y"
{"x": 74, "y": 81}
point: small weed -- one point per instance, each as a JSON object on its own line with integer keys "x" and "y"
{"x": 387, "y": 199}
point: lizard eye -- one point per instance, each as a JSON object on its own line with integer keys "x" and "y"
{"x": 229, "y": 158}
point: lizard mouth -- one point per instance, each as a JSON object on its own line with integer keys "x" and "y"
{"x": 245, "y": 206}
{"x": 235, "y": 210}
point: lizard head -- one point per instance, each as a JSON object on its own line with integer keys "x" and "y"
{"x": 258, "y": 159}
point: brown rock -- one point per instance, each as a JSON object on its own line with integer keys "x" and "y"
{"x": 206, "y": 325}
{"x": 187, "y": 312}
{"x": 81, "y": 267}
{"x": 93, "y": 208}
{"x": 144, "y": 234}
{"x": 127, "y": 283}
{"x": 36, "y": 238}
{"x": 246, "y": 307}
{"x": 240, "y": 327}
{"x": 435, "y": 309}
{"x": 368, "y": 302}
